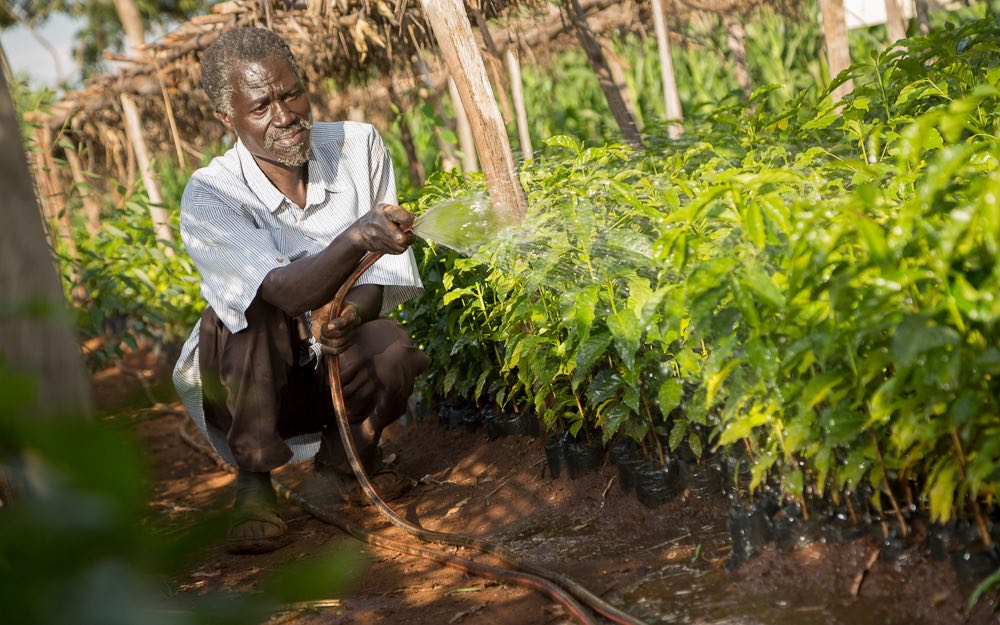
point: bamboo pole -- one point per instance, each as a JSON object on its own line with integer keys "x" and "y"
{"x": 671, "y": 98}
{"x": 91, "y": 207}
{"x": 56, "y": 196}
{"x": 449, "y": 161}
{"x": 613, "y": 90}
{"x": 838, "y": 51}
{"x": 517, "y": 90}
{"x": 736, "y": 41}
{"x": 466, "y": 140}
{"x": 133, "y": 127}
{"x": 492, "y": 61}
{"x": 895, "y": 22}
{"x": 453, "y": 32}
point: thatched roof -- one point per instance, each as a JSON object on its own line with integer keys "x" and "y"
{"x": 348, "y": 42}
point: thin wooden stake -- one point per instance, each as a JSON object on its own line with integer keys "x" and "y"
{"x": 838, "y": 51}
{"x": 465, "y": 137}
{"x": 613, "y": 91}
{"x": 414, "y": 166}
{"x": 895, "y": 22}
{"x": 517, "y": 89}
{"x": 91, "y": 207}
{"x": 449, "y": 161}
{"x": 736, "y": 41}
{"x": 671, "y": 97}
{"x": 171, "y": 120}
{"x": 133, "y": 127}
{"x": 923, "y": 16}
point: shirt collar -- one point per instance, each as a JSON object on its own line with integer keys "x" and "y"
{"x": 321, "y": 179}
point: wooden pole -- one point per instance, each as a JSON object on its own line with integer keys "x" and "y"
{"x": 838, "y": 51}
{"x": 91, "y": 208}
{"x": 923, "y": 16}
{"x": 449, "y": 161}
{"x": 517, "y": 90}
{"x": 133, "y": 127}
{"x": 453, "y": 32}
{"x": 37, "y": 336}
{"x": 895, "y": 22}
{"x": 736, "y": 41}
{"x": 172, "y": 122}
{"x": 671, "y": 97}
{"x": 492, "y": 60}
{"x": 464, "y": 129}
{"x": 613, "y": 90}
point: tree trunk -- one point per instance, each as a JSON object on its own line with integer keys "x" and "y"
{"x": 613, "y": 90}
{"x": 453, "y": 32}
{"x": 128, "y": 14}
{"x": 838, "y": 51}
{"x": 736, "y": 41}
{"x": 466, "y": 140}
{"x": 493, "y": 62}
{"x": 91, "y": 207}
{"x": 37, "y": 337}
{"x": 413, "y": 164}
{"x": 449, "y": 161}
{"x": 517, "y": 89}
{"x": 923, "y": 16}
{"x": 895, "y": 23}
{"x": 133, "y": 127}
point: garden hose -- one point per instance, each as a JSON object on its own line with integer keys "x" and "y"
{"x": 524, "y": 573}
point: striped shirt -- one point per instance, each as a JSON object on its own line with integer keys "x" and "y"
{"x": 237, "y": 226}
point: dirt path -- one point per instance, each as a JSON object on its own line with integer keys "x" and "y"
{"x": 665, "y": 565}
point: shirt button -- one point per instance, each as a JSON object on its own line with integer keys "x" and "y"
{"x": 280, "y": 259}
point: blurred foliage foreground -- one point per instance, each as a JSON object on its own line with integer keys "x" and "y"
{"x": 811, "y": 288}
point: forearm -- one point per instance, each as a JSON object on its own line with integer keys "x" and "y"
{"x": 312, "y": 281}
{"x": 367, "y": 300}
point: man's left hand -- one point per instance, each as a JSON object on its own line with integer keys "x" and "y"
{"x": 337, "y": 335}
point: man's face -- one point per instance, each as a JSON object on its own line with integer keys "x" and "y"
{"x": 271, "y": 113}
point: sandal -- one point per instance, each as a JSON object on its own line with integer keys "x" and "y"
{"x": 255, "y": 526}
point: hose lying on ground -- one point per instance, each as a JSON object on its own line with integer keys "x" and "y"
{"x": 554, "y": 584}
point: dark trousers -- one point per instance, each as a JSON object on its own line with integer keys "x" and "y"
{"x": 256, "y": 392}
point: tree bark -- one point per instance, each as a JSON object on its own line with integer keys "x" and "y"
{"x": 131, "y": 19}
{"x": 413, "y": 164}
{"x": 91, "y": 207}
{"x": 517, "y": 90}
{"x": 613, "y": 90}
{"x": 895, "y": 23}
{"x": 671, "y": 98}
{"x": 923, "y": 16}
{"x": 133, "y": 127}
{"x": 37, "y": 337}
{"x": 449, "y": 161}
{"x": 838, "y": 51}
{"x": 453, "y": 32}
{"x": 736, "y": 41}
{"x": 466, "y": 140}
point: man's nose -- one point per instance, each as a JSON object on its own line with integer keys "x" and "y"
{"x": 283, "y": 115}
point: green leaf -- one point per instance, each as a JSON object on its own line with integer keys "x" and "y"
{"x": 669, "y": 395}
{"x": 588, "y": 354}
{"x": 764, "y": 287}
{"x": 916, "y": 336}
{"x": 677, "y": 434}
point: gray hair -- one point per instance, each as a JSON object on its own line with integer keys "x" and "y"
{"x": 236, "y": 48}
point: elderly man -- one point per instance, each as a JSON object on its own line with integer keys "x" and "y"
{"x": 275, "y": 226}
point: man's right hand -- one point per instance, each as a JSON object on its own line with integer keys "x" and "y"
{"x": 385, "y": 229}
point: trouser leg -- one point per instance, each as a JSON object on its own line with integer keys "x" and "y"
{"x": 378, "y": 372}
{"x": 254, "y": 390}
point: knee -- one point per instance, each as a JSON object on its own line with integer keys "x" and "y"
{"x": 394, "y": 350}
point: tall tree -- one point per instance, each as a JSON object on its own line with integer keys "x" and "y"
{"x": 838, "y": 51}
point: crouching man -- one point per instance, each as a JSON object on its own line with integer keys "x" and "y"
{"x": 275, "y": 226}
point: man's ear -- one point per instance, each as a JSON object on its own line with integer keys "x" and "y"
{"x": 222, "y": 117}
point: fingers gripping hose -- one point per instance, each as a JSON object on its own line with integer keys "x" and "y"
{"x": 557, "y": 586}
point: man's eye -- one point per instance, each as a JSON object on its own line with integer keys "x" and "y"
{"x": 291, "y": 95}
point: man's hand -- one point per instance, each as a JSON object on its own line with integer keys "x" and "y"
{"x": 385, "y": 229}
{"x": 337, "y": 335}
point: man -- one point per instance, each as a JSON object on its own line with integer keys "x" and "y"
{"x": 275, "y": 226}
